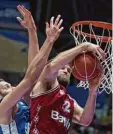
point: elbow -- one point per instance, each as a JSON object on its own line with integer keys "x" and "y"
{"x": 85, "y": 123}
{"x": 85, "y": 120}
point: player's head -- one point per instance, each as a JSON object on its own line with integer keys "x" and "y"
{"x": 64, "y": 75}
{"x": 5, "y": 88}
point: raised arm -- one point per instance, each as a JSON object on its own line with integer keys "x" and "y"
{"x": 33, "y": 47}
{"x": 29, "y": 24}
{"x": 53, "y": 31}
{"x": 33, "y": 72}
{"x": 67, "y": 56}
{"x": 85, "y": 116}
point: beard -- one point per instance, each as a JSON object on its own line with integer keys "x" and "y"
{"x": 64, "y": 81}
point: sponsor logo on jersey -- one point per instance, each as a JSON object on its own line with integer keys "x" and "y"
{"x": 56, "y": 116}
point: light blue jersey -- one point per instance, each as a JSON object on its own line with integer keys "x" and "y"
{"x": 20, "y": 125}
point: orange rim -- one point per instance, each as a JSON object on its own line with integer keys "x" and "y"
{"x": 98, "y": 24}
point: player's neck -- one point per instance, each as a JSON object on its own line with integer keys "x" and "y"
{"x": 52, "y": 84}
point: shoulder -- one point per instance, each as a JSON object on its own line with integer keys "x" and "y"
{"x": 45, "y": 93}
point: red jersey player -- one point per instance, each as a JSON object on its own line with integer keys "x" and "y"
{"x": 52, "y": 109}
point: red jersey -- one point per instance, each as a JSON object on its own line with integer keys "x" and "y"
{"x": 51, "y": 112}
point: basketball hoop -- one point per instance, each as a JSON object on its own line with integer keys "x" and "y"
{"x": 89, "y": 31}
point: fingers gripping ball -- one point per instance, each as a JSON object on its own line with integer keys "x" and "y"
{"x": 86, "y": 66}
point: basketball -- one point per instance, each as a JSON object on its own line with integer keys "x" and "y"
{"x": 86, "y": 66}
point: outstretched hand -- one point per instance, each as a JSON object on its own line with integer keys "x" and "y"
{"x": 54, "y": 29}
{"x": 27, "y": 21}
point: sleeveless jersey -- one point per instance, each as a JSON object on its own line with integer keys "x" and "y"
{"x": 51, "y": 112}
{"x": 20, "y": 124}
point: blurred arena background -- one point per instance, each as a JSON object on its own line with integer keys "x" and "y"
{"x": 14, "y": 43}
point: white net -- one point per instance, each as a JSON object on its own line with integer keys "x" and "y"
{"x": 79, "y": 32}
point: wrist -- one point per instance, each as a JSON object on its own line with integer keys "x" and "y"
{"x": 49, "y": 40}
{"x": 93, "y": 92}
{"x": 33, "y": 29}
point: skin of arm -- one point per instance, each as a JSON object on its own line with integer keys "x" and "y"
{"x": 33, "y": 47}
{"x": 67, "y": 56}
{"x": 34, "y": 70}
{"x": 29, "y": 24}
{"x": 85, "y": 116}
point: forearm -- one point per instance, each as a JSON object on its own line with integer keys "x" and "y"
{"x": 33, "y": 45}
{"x": 65, "y": 57}
{"x": 89, "y": 109}
{"x": 33, "y": 72}
{"x": 33, "y": 49}
{"x": 38, "y": 63}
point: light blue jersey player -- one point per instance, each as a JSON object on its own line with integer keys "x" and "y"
{"x": 20, "y": 124}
